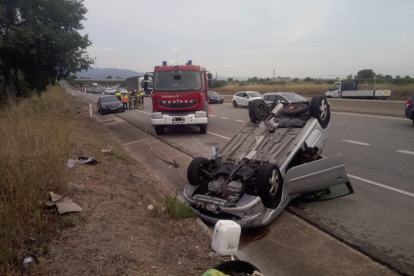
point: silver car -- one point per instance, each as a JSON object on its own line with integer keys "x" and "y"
{"x": 244, "y": 98}
{"x": 261, "y": 169}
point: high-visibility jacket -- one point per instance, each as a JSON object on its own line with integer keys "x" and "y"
{"x": 118, "y": 94}
{"x": 124, "y": 98}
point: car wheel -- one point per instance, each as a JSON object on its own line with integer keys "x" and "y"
{"x": 159, "y": 130}
{"x": 235, "y": 104}
{"x": 203, "y": 129}
{"x": 319, "y": 109}
{"x": 269, "y": 184}
{"x": 295, "y": 110}
{"x": 413, "y": 121}
{"x": 195, "y": 174}
{"x": 258, "y": 111}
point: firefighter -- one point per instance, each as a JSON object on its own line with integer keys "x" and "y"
{"x": 118, "y": 95}
{"x": 135, "y": 93}
{"x": 124, "y": 100}
{"x": 138, "y": 98}
{"x": 143, "y": 94}
{"x": 131, "y": 100}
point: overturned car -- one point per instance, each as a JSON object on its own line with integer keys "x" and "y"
{"x": 261, "y": 169}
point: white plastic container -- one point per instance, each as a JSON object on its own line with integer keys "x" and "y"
{"x": 226, "y": 237}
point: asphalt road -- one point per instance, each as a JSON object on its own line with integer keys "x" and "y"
{"x": 379, "y": 156}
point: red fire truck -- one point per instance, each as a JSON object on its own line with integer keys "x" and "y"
{"x": 179, "y": 96}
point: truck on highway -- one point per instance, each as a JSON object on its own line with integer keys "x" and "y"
{"x": 349, "y": 90}
{"x": 180, "y": 96}
{"x": 137, "y": 83}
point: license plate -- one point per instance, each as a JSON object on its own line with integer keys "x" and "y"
{"x": 178, "y": 120}
{"x": 113, "y": 108}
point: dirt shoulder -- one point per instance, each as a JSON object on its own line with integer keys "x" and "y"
{"x": 116, "y": 234}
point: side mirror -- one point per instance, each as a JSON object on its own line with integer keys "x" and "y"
{"x": 210, "y": 83}
{"x": 145, "y": 84}
{"x": 146, "y": 77}
{"x": 246, "y": 96}
{"x": 210, "y": 76}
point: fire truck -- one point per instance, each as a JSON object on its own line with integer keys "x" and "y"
{"x": 179, "y": 96}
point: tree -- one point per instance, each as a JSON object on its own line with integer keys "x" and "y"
{"x": 230, "y": 79}
{"x": 40, "y": 43}
{"x": 407, "y": 77}
{"x": 388, "y": 77}
{"x": 349, "y": 77}
{"x": 109, "y": 77}
{"x": 397, "y": 77}
{"x": 366, "y": 74}
{"x": 308, "y": 79}
{"x": 380, "y": 76}
{"x": 295, "y": 80}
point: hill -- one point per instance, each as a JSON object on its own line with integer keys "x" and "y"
{"x": 102, "y": 73}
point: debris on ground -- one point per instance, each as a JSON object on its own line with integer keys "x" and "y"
{"x": 76, "y": 186}
{"x": 81, "y": 160}
{"x": 108, "y": 151}
{"x": 63, "y": 204}
{"x": 150, "y": 207}
{"x": 27, "y": 263}
{"x": 136, "y": 176}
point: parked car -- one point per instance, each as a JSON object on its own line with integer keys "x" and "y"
{"x": 244, "y": 98}
{"x": 261, "y": 169}
{"x": 96, "y": 90}
{"x": 122, "y": 90}
{"x": 88, "y": 90}
{"x": 409, "y": 108}
{"x": 107, "y": 104}
{"x": 214, "y": 97}
{"x": 110, "y": 91}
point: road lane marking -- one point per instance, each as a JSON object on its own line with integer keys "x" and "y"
{"x": 212, "y": 115}
{"x": 370, "y": 116}
{"x": 142, "y": 111}
{"x": 381, "y": 185}
{"x": 225, "y": 118}
{"x": 405, "y": 151}
{"x": 240, "y": 121}
{"x": 218, "y": 135}
{"x": 355, "y": 142}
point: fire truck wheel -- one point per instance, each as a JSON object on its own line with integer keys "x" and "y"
{"x": 203, "y": 129}
{"x": 159, "y": 130}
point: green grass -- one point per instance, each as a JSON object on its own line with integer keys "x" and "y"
{"x": 176, "y": 208}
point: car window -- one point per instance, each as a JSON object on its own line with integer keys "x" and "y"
{"x": 109, "y": 99}
{"x": 254, "y": 94}
{"x": 212, "y": 93}
{"x": 294, "y": 97}
{"x": 244, "y": 94}
{"x": 238, "y": 94}
{"x": 412, "y": 98}
{"x": 336, "y": 86}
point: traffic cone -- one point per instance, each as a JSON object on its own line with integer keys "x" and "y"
{"x": 210, "y": 111}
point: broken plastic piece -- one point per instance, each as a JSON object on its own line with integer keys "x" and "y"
{"x": 150, "y": 207}
{"x": 108, "y": 151}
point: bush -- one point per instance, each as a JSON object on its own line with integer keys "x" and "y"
{"x": 219, "y": 83}
{"x": 176, "y": 208}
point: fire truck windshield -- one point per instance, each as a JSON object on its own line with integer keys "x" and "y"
{"x": 177, "y": 82}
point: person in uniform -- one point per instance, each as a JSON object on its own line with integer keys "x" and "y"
{"x": 138, "y": 96}
{"x": 131, "y": 100}
{"x": 124, "y": 100}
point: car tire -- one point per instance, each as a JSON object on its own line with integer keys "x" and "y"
{"x": 258, "y": 111}
{"x": 319, "y": 109}
{"x": 295, "y": 110}
{"x": 159, "y": 130}
{"x": 203, "y": 129}
{"x": 195, "y": 176}
{"x": 235, "y": 104}
{"x": 269, "y": 184}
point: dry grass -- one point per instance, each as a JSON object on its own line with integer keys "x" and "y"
{"x": 116, "y": 233}
{"x": 33, "y": 151}
{"x": 398, "y": 92}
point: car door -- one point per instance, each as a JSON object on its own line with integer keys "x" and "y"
{"x": 319, "y": 174}
{"x": 245, "y": 99}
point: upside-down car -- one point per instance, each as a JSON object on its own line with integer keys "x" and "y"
{"x": 261, "y": 169}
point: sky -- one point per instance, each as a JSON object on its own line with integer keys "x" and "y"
{"x": 319, "y": 38}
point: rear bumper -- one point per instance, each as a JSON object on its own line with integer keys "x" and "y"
{"x": 189, "y": 119}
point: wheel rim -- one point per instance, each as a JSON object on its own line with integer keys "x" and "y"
{"x": 323, "y": 110}
{"x": 261, "y": 111}
{"x": 273, "y": 182}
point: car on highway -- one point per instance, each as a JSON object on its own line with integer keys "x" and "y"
{"x": 409, "y": 108}
{"x": 262, "y": 168}
{"x": 88, "y": 90}
{"x": 244, "y": 98}
{"x": 110, "y": 91}
{"x": 214, "y": 97}
{"x": 121, "y": 90}
{"x": 108, "y": 104}
{"x": 295, "y": 101}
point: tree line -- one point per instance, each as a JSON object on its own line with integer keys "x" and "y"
{"x": 39, "y": 45}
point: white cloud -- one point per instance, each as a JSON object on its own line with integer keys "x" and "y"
{"x": 174, "y": 50}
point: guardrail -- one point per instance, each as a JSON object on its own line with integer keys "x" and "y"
{"x": 389, "y": 108}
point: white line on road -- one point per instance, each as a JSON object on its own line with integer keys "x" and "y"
{"x": 371, "y": 116}
{"x": 381, "y": 185}
{"x": 355, "y": 142}
{"x": 212, "y": 115}
{"x": 240, "y": 121}
{"x": 224, "y": 118}
{"x": 142, "y": 111}
{"x": 219, "y": 135}
{"x": 405, "y": 151}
